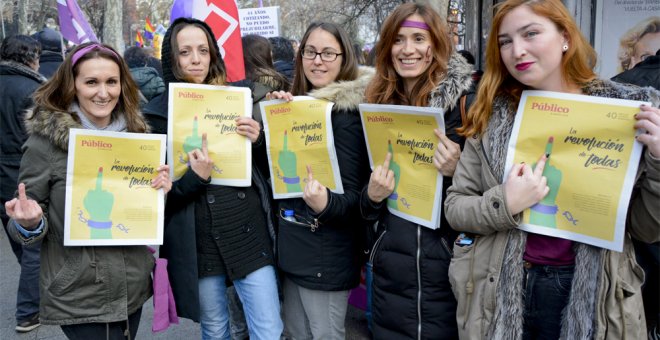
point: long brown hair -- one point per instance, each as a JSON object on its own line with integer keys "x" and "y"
{"x": 257, "y": 55}
{"x": 217, "y": 73}
{"x": 387, "y": 85}
{"x": 576, "y": 66}
{"x": 349, "y": 66}
{"x": 59, "y": 93}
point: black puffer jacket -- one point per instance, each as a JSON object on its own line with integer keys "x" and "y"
{"x": 17, "y": 83}
{"x": 328, "y": 256}
{"x": 412, "y": 297}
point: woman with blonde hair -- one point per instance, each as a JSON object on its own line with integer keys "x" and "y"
{"x": 639, "y": 43}
{"x": 416, "y": 65}
{"x": 513, "y": 285}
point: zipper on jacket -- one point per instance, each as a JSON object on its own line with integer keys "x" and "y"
{"x": 311, "y": 225}
{"x": 372, "y": 256}
{"x": 444, "y": 243}
{"x": 419, "y": 284}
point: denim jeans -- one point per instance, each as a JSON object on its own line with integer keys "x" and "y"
{"x": 27, "y": 297}
{"x": 546, "y": 293}
{"x": 261, "y": 305}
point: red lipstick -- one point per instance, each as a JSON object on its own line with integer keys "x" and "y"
{"x": 523, "y": 66}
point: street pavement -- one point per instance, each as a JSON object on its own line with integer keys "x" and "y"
{"x": 9, "y": 271}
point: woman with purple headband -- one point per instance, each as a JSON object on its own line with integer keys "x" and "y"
{"x": 416, "y": 65}
{"x": 91, "y": 292}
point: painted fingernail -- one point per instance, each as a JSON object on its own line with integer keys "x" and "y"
{"x": 547, "y": 155}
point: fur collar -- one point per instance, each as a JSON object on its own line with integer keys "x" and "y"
{"x": 53, "y": 126}
{"x": 11, "y": 67}
{"x": 611, "y": 89}
{"x": 454, "y": 85}
{"x": 346, "y": 95}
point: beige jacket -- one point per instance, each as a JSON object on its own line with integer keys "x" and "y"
{"x": 476, "y": 204}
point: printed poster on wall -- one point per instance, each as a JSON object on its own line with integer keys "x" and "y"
{"x": 299, "y": 134}
{"x": 592, "y": 165}
{"x": 625, "y": 32}
{"x": 407, "y": 132}
{"x": 196, "y": 109}
{"x": 109, "y": 198}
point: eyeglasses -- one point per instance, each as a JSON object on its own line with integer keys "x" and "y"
{"x": 325, "y": 55}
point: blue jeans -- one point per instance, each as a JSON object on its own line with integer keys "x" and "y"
{"x": 546, "y": 293}
{"x": 261, "y": 305}
{"x": 27, "y": 297}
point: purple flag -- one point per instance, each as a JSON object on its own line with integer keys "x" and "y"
{"x": 73, "y": 25}
{"x": 181, "y": 9}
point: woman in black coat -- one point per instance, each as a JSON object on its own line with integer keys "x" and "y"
{"x": 217, "y": 234}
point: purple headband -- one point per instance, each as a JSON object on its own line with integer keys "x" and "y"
{"x": 93, "y": 47}
{"x": 415, "y": 24}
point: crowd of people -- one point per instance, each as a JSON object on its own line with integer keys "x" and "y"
{"x": 233, "y": 256}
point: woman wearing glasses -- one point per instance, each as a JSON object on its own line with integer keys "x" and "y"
{"x": 321, "y": 264}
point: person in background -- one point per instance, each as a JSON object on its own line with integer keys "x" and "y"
{"x": 476, "y": 73}
{"x": 294, "y": 45}
{"x": 321, "y": 254}
{"x": 359, "y": 54}
{"x": 215, "y": 235}
{"x": 416, "y": 65}
{"x": 511, "y": 284}
{"x": 91, "y": 292}
{"x": 152, "y": 61}
{"x": 52, "y": 51}
{"x": 259, "y": 64}
{"x": 639, "y": 43}
{"x": 645, "y": 73}
{"x": 370, "y": 60}
{"x": 283, "y": 56}
{"x": 147, "y": 78}
{"x": 19, "y": 62}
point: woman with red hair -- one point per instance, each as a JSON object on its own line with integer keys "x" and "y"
{"x": 513, "y": 285}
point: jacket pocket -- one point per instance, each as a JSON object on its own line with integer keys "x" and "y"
{"x": 464, "y": 286}
{"x": 625, "y": 314}
{"x": 300, "y": 246}
{"x": 80, "y": 281}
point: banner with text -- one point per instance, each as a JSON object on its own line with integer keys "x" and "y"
{"x": 592, "y": 165}
{"x": 103, "y": 169}
{"x": 407, "y": 132}
{"x": 263, "y": 21}
{"x": 299, "y": 134}
{"x": 196, "y": 109}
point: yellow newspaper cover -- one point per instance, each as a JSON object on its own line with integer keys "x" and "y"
{"x": 407, "y": 132}
{"x": 109, "y": 198}
{"x": 195, "y": 109}
{"x": 592, "y": 165}
{"x": 298, "y": 134}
